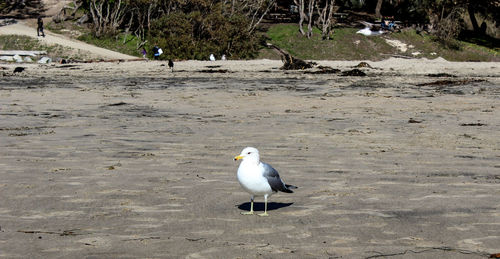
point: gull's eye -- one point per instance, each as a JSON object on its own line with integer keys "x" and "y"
{"x": 249, "y": 153}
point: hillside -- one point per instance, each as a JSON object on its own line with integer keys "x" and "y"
{"x": 22, "y": 36}
{"x": 64, "y": 40}
{"x": 347, "y": 45}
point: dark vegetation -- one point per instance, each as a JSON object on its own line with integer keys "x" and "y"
{"x": 195, "y": 35}
{"x": 20, "y": 9}
{"x": 182, "y": 29}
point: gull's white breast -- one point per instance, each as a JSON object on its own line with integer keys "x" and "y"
{"x": 251, "y": 179}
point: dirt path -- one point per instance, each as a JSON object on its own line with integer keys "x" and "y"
{"x": 22, "y": 28}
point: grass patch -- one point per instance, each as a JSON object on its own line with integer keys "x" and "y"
{"x": 427, "y": 44}
{"x": 480, "y": 40}
{"x": 123, "y": 43}
{"x": 347, "y": 45}
{"x": 66, "y": 28}
{"x": 344, "y": 45}
{"x": 19, "y": 42}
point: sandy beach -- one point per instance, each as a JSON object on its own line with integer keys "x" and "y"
{"x": 131, "y": 160}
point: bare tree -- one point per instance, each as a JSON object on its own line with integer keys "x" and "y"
{"x": 142, "y": 12}
{"x": 378, "y": 8}
{"x": 107, "y": 16}
{"x": 255, "y": 10}
{"x": 302, "y": 14}
{"x": 310, "y": 18}
{"x": 262, "y": 8}
{"x": 325, "y": 19}
{"x": 63, "y": 14}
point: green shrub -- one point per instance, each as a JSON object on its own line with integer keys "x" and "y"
{"x": 196, "y": 35}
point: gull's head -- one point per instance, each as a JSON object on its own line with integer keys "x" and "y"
{"x": 248, "y": 154}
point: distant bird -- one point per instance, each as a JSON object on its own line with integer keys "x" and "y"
{"x": 171, "y": 64}
{"x": 368, "y": 30}
{"x": 223, "y": 57}
{"x": 259, "y": 179}
{"x": 18, "y": 69}
{"x": 212, "y": 57}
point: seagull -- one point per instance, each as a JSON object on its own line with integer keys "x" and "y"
{"x": 171, "y": 64}
{"x": 258, "y": 178}
{"x": 367, "y": 31}
{"x": 212, "y": 57}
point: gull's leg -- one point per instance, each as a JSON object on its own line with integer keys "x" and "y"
{"x": 265, "y": 207}
{"x": 251, "y": 207}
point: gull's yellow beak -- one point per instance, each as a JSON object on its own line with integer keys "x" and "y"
{"x": 237, "y": 158}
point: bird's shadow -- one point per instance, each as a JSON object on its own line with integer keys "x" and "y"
{"x": 259, "y": 206}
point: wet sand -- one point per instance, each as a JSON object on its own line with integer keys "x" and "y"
{"x": 130, "y": 160}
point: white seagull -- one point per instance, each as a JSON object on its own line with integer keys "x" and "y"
{"x": 367, "y": 31}
{"x": 212, "y": 57}
{"x": 258, "y": 178}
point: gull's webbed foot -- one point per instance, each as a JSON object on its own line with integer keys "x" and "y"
{"x": 263, "y": 214}
{"x": 251, "y": 208}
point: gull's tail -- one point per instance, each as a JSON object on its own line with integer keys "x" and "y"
{"x": 288, "y": 187}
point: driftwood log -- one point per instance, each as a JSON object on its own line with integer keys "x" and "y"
{"x": 32, "y": 53}
{"x": 63, "y": 15}
{"x": 290, "y": 62}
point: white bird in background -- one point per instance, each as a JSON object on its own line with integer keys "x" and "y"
{"x": 368, "y": 30}
{"x": 259, "y": 179}
{"x": 212, "y": 57}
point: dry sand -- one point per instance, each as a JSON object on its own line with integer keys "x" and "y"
{"x": 130, "y": 160}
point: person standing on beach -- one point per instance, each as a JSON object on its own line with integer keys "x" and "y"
{"x": 156, "y": 52}
{"x": 39, "y": 29}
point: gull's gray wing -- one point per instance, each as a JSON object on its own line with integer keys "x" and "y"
{"x": 274, "y": 180}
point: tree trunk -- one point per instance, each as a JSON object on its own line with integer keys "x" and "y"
{"x": 290, "y": 62}
{"x": 325, "y": 18}
{"x": 106, "y": 19}
{"x": 473, "y": 20}
{"x": 378, "y": 8}
{"x": 302, "y": 14}
{"x": 63, "y": 16}
{"x": 259, "y": 15}
{"x": 310, "y": 17}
